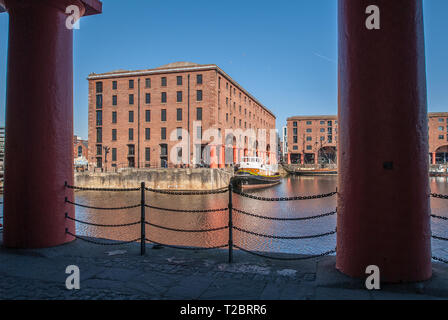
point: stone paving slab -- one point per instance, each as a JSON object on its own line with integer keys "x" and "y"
{"x": 119, "y": 272}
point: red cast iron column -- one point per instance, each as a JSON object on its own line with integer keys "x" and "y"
{"x": 39, "y": 122}
{"x": 383, "y": 201}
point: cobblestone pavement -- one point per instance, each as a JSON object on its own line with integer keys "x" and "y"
{"x": 119, "y": 272}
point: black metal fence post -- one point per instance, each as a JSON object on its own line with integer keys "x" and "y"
{"x": 230, "y": 224}
{"x": 142, "y": 221}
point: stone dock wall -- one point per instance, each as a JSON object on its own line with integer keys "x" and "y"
{"x": 166, "y": 179}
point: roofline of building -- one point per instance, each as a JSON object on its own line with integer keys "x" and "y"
{"x": 321, "y": 117}
{"x": 122, "y": 74}
{"x": 315, "y": 117}
{"x": 438, "y": 114}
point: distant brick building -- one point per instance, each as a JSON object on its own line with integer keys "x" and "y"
{"x": 438, "y": 137}
{"x": 80, "y": 150}
{"x": 313, "y": 139}
{"x": 143, "y": 118}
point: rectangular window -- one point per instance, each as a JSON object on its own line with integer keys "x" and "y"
{"x": 294, "y": 139}
{"x": 131, "y": 149}
{"x": 309, "y": 123}
{"x": 309, "y": 148}
{"x": 163, "y": 115}
{"x": 294, "y": 124}
{"x": 147, "y": 133}
{"x": 163, "y": 133}
{"x": 114, "y": 85}
{"x": 99, "y": 149}
{"x": 99, "y": 135}
{"x": 322, "y": 129}
{"x": 147, "y": 154}
{"x": 294, "y": 131}
{"x": 131, "y": 84}
{"x": 114, "y": 134}
{"x": 147, "y": 83}
{"x": 309, "y": 130}
{"x": 148, "y": 115}
{"x": 163, "y": 97}
{"x": 179, "y": 133}
{"x": 199, "y": 132}
{"x": 131, "y": 116}
{"x": 99, "y": 118}
{"x": 148, "y": 98}
{"x": 131, "y": 134}
{"x": 179, "y": 96}
{"x": 99, "y": 100}
{"x": 441, "y": 128}
{"x": 199, "y": 95}
{"x": 131, "y": 99}
{"x": 99, "y": 87}
{"x": 441, "y": 137}
{"x": 179, "y": 80}
{"x": 114, "y": 117}
{"x": 99, "y": 162}
{"x": 330, "y": 123}
{"x": 114, "y": 154}
{"x": 114, "y": 100}
{"x": 163, "y": 81}
{"x": 179, "y": 114}
{"x": 309, "y": 138}
{"x": 199, "y": 79}
{"x": 199, "y": 114}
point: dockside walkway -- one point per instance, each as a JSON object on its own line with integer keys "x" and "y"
{"x": 119, "y": 272}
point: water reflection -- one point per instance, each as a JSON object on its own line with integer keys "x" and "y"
{"x": 288, "y": 209}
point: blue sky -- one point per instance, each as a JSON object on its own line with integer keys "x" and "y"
{"x": 283, "y": 52}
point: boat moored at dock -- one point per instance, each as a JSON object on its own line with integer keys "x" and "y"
{"x": 252, "y": 173}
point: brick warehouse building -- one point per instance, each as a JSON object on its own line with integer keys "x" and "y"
{"x": 136, "y": 118}
{"x": 313, "y": 139}
{"x": 438, "y": 137}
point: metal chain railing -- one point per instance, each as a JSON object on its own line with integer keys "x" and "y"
{"x": 285, "y": 237}
{"x": 187, "y": 211}
{"x": 318, "y": 196}
{"x": 143, "y": 222}
{"x": 286, "y": 219}
{"x": 102, "y": 225}
{"x": 185, "y": 230}
{"x": 115, "y": 243}
{"x": 439, "y": 238}
{"x": 439, "y": 196}
{"x": 102, "y": 208}
{"x": 307, "y": 257}
{"x": 188, "y": 193}
{"x": 439, "y": 217}
{"x": 186, "y": 248}
{"x": 440, "y": 259}
{"x": 102, "y": 189}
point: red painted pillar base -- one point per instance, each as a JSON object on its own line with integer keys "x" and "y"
{"x": 222, "y": 159}
{"x": 213, "y": 158}
{"x": 433, "y": 156}
{"x": 383, "y": 200}
{"x": 234, "y": 155}
{"x": 289, "y": 158}
{"x": 39, "y": 124}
